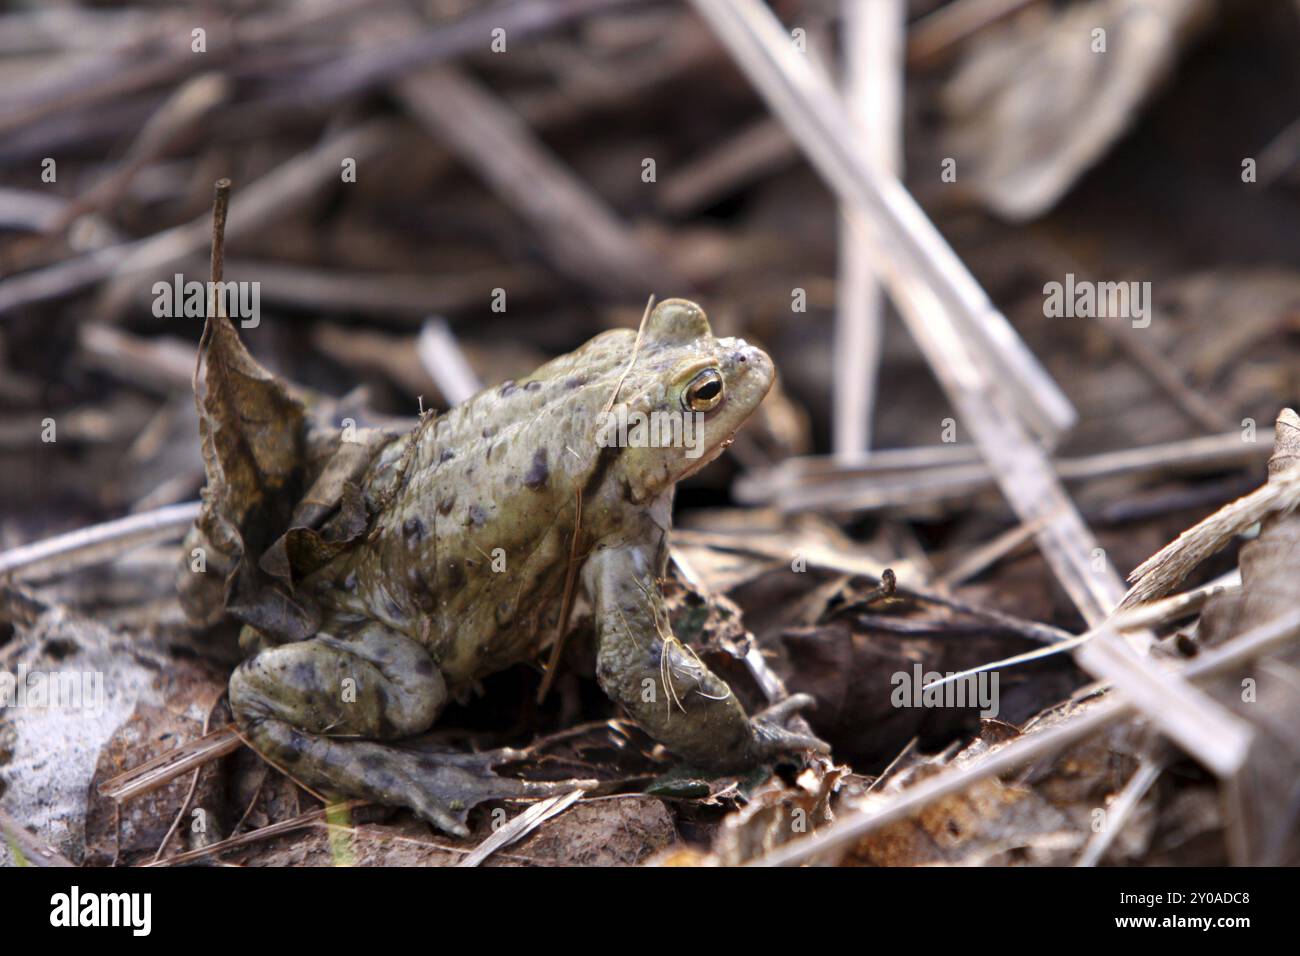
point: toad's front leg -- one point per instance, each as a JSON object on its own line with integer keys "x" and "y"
{"x": 660, "y": 681}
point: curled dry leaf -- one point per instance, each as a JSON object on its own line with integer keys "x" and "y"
{"x": 281, "y": 498}
{"x": 1042, "y": 99}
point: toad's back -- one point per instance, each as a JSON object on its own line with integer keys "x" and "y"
{"x": 470, "y": 559}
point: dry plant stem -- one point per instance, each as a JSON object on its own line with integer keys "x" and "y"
{"x": 899, "y": 477}
{"x": 923, "y": 274}
{"x": 109, "y": 78}
{"x": 442, "y": 358}
{"x": 194, "y": 785}
{"x": 566, "y": 603}
{"x": 979, "y": 560}
{"x": 965, "y": 317}
{"x": 98, "y": 543}
{"x": 33, "y": 850}
{"x": 1136, "y": 342}
{"x": 387, "y": 61}
{"x": 385, "y": 836}
{"x": 1163, "y": 571}
{"x": 1171, "y": 380}
{"x": 1280, "y": 155}
{"x": 522, "y": 825}
{"x": 1140, "y": 618}
{"x": 28, "y": 211}
{"x": 935, "y": 35}
{"x": 1117, "y": 814}
{"x": 873, "y": 53}
{"x": 220, "y": 208}
{"x": 850, "y": 828}
{"x": 154, "y": 773}
{"x": 636, "y": 351}
{"x": 257, "y": 836}
{"x": 386, "y": 298}
{"x": 163, "y": 364}
{"x": 178, "y": 114}
{"x": 283, "y": 188}
{"x": 581, "y": 232}
{"x": 853, "y": 565}
{"x": 1167, "y": 609}
{"x": 893, "y": 764}
{"x": 738, "y": 160}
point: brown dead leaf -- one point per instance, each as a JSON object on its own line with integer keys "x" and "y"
{"x": 282, "y": 495}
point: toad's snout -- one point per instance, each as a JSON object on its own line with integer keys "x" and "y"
{"x": 749, "y": 367}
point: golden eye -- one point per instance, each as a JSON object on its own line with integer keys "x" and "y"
{"x": 704, "y": 391}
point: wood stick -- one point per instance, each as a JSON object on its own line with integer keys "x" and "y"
{"x": 873, "y": 55}
{"x": 98, "y": 543}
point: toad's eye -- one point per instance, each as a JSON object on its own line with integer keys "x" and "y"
{"x": 704, "y": 391}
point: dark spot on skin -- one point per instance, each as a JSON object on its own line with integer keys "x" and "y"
{"x": 373, "y": 762}
{"x": 446, "y": 455}
{"x": 489, "y": 431}
{"x": 532, "y": 386}
{"x": 455, "y": 574}
{"x": 424, "y": 666}
{"x": 425, "y": 601}
{"x": 303, "y": 675}
{"x": 413, "y": 528}
{"x": 740, "y": 357}
{"x": 477, "y": 516}
{"x": 293, "y": 748}
{"x": 576, "y": 381}
{"x": 538, "y": 471}
{"x": 508, "y": 386}
{"x": 446, "y": 504}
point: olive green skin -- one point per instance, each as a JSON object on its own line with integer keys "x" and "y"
{"x": 463, "y": 572}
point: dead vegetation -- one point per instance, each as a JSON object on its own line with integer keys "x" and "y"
{"x": 951, "y": 479}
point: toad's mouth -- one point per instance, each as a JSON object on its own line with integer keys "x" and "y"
{"x": 709, "y": 456}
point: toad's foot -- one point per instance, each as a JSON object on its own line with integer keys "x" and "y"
{"x": 771, "y": 739}
{"x": 441, "y": 788}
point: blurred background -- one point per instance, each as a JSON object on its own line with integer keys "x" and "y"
{"x": 436, "y": 195}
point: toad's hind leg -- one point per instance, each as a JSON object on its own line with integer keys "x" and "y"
{"x": 316, "y": 709}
